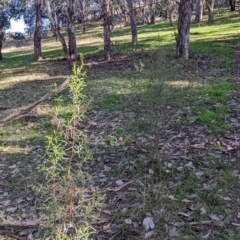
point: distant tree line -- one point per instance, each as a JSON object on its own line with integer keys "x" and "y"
{"x": 54, "y": 14}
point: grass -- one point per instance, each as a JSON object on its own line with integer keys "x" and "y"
{"x": 214, "y": 99}
{"x": 152, "y": 123}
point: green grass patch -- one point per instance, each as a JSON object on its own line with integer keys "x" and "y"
{"x": 208, "y": 117}
{"x": 214, "y": 98}
{"x": 219, "y": 91}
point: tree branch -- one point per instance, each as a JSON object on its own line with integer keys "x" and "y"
{"x": 23, "y": 111}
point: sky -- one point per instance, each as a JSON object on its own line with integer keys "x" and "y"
{"x": 17, "y": 26}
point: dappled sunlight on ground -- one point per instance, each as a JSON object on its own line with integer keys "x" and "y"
{"x": 44, "y": 110}
{"x": 19, "y": 70}
{"x": 183, "y": 83}
{"x": 24, "y": 78}
{"x": 14, "y": 149}
{"x": 90, "y": 41}
{"x": 54, "y": 45}
{"x": 217, "y": 38}
{"x": 14, "y": 49}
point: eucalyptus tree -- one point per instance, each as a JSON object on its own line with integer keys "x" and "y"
{"x": 32, "y": 15}
{"x": 83, "y": 8}
{"x": 184, "y": 19}
{"x": 55, "y": 25}
{"x": 107, "y": 19}
{"x": 132, "y": 22}
{"x": 8, "y": 9}
{"x": 166, "y": 9}
{"x": 72, "y": 44}
{"x": 151, "y": 11}
{"x": 56, "y": 10}
{"x": 124, "y": 11}
{"x": 29, "y": 19}
{"x": 199, "y": 10}
{"x": 210, "y": 8}
{"x": 138, "y": 10}
{"x": 232, "y": 5}
{"x": 66, "y": 10}
{"x": 37, "y": 37}
{"x": 4, "y": 24}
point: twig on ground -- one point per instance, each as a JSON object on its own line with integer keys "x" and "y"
{"x": 24, "y": 111}
{"x": 32, "y": 223}
{"x": 118, "y": 188}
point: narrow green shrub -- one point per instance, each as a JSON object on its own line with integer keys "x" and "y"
{"x": 66, "y": 185}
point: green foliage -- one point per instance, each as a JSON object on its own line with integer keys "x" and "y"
{"x": 214, "y": 97}
{"x": 66, "y": 154}
{"x": 4, "y": 24}
{"x": 16, "y": 35}
{"x": 8, "y": 10}
{"x": 219, "y": 90}
{"x": 109, "y": 101}
{"x": 208, "y": 117}
{"x": 4, "y": 20}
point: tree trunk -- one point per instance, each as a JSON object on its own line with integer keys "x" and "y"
{"x": 126, "y": 16}
{"x": 83, "y": 22}
{"x": 199, "y": 10}
{"x": 55, "y": 27}
{"x": 82, "y": 14}
{"x": 184, "y": 20}
{"x": 152, "y": 17}
{"x": 106, "y": 29}
{"x": 1, "y": 42}
{"x": 57, "y": 12}
{"x": 170, "y": 17}
{"x": 112, "y": 17}
{"x": 139, "y": 8}
{"x": 210, "y": 7}
{"x": 38, "y": 31}
{"x": 83, "y": 25}
{"x": 143, "y": 15}
{"x": 72, "y": 44}
{"x": 55, "y": 17}
{"x": 151, "y": 12}
{"x": 1, "y": 51}
{"x": 232, "y": 5}
{"x": 132, "y": 22}
{"x": 170, "y": 14}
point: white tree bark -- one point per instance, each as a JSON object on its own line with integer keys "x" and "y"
{"x": 82, "y": 5}
{"x": 56, "y": 29}
{"x": 132, "y": 22}
{"x": 184, "y": 20}
{"x": 72, "y": 44}
{"x": 106, "y": 29}
{"x": 210, "y": 7}
{"x": 151, "y": 12}
{"x": 199, "y": 10}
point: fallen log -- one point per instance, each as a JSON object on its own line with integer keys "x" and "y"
{"x": 24, "y": 111}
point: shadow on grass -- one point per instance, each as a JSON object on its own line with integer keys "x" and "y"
{"x": 26, "y": 92}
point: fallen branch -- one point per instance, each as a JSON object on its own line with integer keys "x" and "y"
{"x": 24, "y": 111}
{"x": 11, "y": 223}
{"x": 118, "y": 188}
